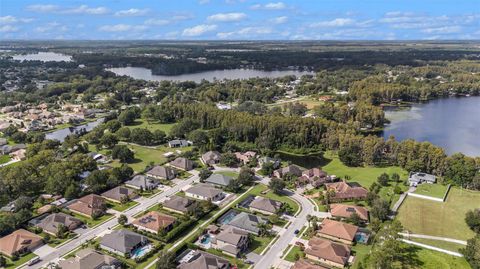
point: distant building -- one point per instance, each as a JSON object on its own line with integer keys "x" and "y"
{"x": 346, "y": 211}
{"x": 123, "y": 242}
{"x": 90, "y": 205}
{"x": 119, "y": 194}
{"x": 246, "y": 222}
{"x": 52, "y": 222}
{"x": 219, "y": 180}
{"x": 202, "y": 260}
{"x": 291, "y": 169}
{"x": 161, "y": 172}
{"x": 178, "y": 143}
{"x": 416, "y": 178}
{"x": 337, "y": 231}
{"x": 211, "y": 157}
{"x": 245, "y": 157}
{"x": 328, "y": 252}
{"x": 154, "y": 222}
{"x": 182, "y": 164}
{"x": 205, "y": 192}
{"x": 304, "y": 264}
{"x": 344, "y": 191}
{"x": 19, "y": 242}
{"x": 265, "y": 206}
{"x": 231, "y": 241}
{"x": 178, "y": 204}
{"x": 142, "y": 182}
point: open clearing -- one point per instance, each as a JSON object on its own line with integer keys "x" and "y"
{"x": 440, "y": 219}
{"x": 432, "y": 190}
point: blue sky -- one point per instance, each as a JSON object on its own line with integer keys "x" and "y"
{"x": 240, "y": 19}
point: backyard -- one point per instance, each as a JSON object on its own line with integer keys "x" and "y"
{"x": 121, "y": 207}
{"x": 432, "y": 190}
{"x": 440, "y": 219}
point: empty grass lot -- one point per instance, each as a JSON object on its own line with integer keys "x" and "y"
{"x": 432, "y": 190}
{"x": 153, "y": 126}
{"x": 445, "y": 219}
{"x": 439, "y": 244}
{"x": 435, "y": 260}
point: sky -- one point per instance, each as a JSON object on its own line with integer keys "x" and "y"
{"x": 240, "y": 19}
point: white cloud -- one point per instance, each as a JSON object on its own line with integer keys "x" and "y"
{"x": 122, "y": 28}
{"x": 442, "y": 30}
{"x": 11, "y": 19}
{"x": 156, "y": 22}
{"x": 132, "y": 12}
{"x": 247, "y": 32}
{"x": 199, "y": 30}
{"x": 50, "y": 27}
{"x": 279, "y": 20}
{"x": 43, "y": 8}
{"x": 8, "y": 29}
{"x": 82, "y": 9}
{"x": 270, "y": 6}
{"x": 338, "y": 22}
{"x": 227, "y": 17}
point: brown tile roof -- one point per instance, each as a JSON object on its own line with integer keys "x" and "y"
{"x": 88, "y": 205}
{"x": 154, "y": 221}
{"x": 338, "y": 229}
{"x": 345, "y": 190}
{"x": 328, "y": 250}
{"x": 266, "y": 204}
{"x": 18, "y": 241}
{"x": 118, "y": 193}
{"x": 303, "y": 264}
{"x": 345, "y": 211}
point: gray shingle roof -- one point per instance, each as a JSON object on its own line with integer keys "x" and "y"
{"x": 247, "y": 222}
{"x": 123, "y": 240}
{"x": 161, "y": 171}
{"x": 204, "y": 190}
{"x": 143, "y": 181}
{"x": 178, "y": 203}
{"x": 219, "y": 179}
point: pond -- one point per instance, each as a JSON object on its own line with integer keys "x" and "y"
{"x": 146, "y": 74}
{"x": 451, "y": 123}
{"x": 43, "y": 56}
{"x": 62, "y": 133}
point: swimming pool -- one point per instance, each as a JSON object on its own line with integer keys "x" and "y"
{"x": 361, "y": 237}
{"x": 139, "y": 252}
{"x": 227, "y": 217}
{"x": 206, "y": 239}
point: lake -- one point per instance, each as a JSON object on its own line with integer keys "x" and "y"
{"x": 452, "y": 123}
{"x": 43, "y": 56}
{"x": 146, "y": 74}
{"x": 62, "y": 133}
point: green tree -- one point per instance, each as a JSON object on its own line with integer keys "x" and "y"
{"x": 204, "y": 174}
{"x": 472, "y": 252}
{"x": 276, "y": 185}
{"x": 472, "y": 218}
{"x": 380, "y": 209}
{"x": 166, "y": 260}
{"x": 383, "y": 179}
{"x": 123, "y": 153}
{"x": 229, "y": 159}
{"x": 109, "y": 140}
{"x": 122, "y": 219}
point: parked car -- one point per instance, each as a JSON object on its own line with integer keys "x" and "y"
{"x": 296, "y": 231}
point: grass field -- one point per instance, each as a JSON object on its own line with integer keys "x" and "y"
{"x": 20, "y": 261}
{"x": 259, "y": 243}
{"x": 292, "y": 253}
{"x": 121, "y": 207}
{"x": 360, "y": 251}
{"x": 91, "y": 222}
{"x": 435, "y": 260}
{"x": 4, "y": 159}
{"x": 228, "y": 173}
{"x": 432, "y": 190}
{"x": 144, "y": 156}
{"x": 440, "y": 244}
{"x": 440, "y": 219}
{"x": 153, "y": 126}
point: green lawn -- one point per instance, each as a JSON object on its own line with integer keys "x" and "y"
{"x": 438, "y": 243}
{"x": 360, "y": 251}
{"x": 91, "y": 222}
{"x": 121, "y": 207}
{"x": 363, "y": 175}
{"x": 433, "y": 190}
{"x": 4, "y": 159}
{"x": 260, "y": 243}
{"x": 153, "y": 126}
{"x": 292, "y": 253}
{"x": 20, "y": 261}
{"x": 260, "y": 187}
{"x": 144, "y": 156}
{"x": 435, "y": 260}
{"x": 440, "y": 219}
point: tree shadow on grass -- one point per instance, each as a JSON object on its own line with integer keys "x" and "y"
{"x": 410, "y": 258}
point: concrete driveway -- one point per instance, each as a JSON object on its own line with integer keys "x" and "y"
{"x": 43, "y": 250}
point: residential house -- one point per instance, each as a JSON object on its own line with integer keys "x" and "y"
{"x": 304, "y": 264}
{"x": 203, "y": 260}
{"x": 291, "y": 169}
{"x": 154, "y": 222}
{"x": 161, "y": 172}
{"x": 120, "y": 194}
{"x": 90, "y": 259}
{"x": 90, "y": 205}
{"x": 178, "y": 143}
{"x": 315, "y": 176}
{"x": 7, "y": 149}
{"x": 178, "y": 204}
{"x": 246, "y": 222}
{"x": 19, "y": 242}
{"x": 263, "y": 160}
{"x": 123, "y": 242}
{"x": 219, "y": 180}
{"x": 211, "y": 157}
{"x": 328, "y": 252}
{"x": 245, "y": 157}
{"x": 416, "y": 178}
{"x": 205, "y": 192}
{"x": 265, "y": 206}
{"x": 346, "y": 211}
{"x": 142, "y": 182}
{"x": 18, "y": 155}
{"x": 51, "y": 223}
{"x": 337, "y": 231}
{"x": 182, "y": 164}
{"x": 11, "y": 206}
{"x": 231, "y": 241}
{"x": 344, "y": 191}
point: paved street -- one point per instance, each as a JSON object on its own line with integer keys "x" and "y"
{"x": 144, "y": 203}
